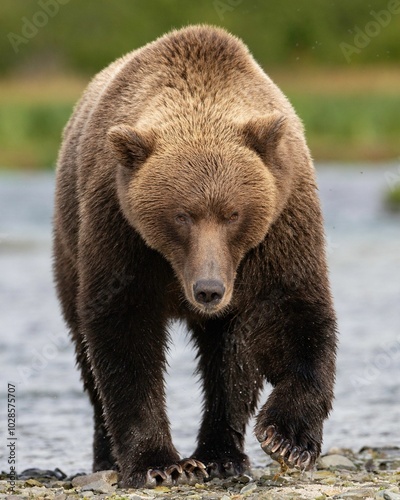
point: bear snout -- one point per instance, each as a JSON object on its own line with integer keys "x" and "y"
{"x": 208, "y": 292}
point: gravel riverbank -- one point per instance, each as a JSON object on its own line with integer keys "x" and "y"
{"x": 372, "y": 473}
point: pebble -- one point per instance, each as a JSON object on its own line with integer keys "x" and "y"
{"x": 42, "y": 474}
{"x": 244, "y": 479}
{"x": 388, "y": 495}
{"x": 100, "y": 482}
{"x": 356, "y": 494}
{"x": 32, "y": 482}
{"x": 39, "y": 491}
{"x": 249, "y": 488}
{"x": 108, "y": 476}
{"x": 335, "y": 481}
{"x": 335, "y": 462}
{"x": 14, "y": 497}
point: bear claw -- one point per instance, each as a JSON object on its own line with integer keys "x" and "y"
{"x": 187, "y": 471}
{"x": 277, "y": 444}
{"x": 279, "y": 448}
{"x": 285, "y": 448}
{"x": 294, "y": 455}
{"x": 229, "y": 468}
{"x": 154, "y": 477}
{"x": 268, "y": 435}
{"x": 305, "y": 460}
{"x": 223, "y": 469}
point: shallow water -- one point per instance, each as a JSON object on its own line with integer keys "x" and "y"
{"x": 54, "y": 427}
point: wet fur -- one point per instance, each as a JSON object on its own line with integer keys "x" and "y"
{"x": 192, "y": 117}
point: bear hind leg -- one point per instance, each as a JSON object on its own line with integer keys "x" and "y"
{"x": 103, "y": 458}
{"x": 67, "y": 287}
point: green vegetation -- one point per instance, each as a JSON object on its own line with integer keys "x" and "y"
{"x": 344, "y": 124}
{"x": 32, "y": 116}
{"x": 31, "y": 133}
{"x": 350, "y": 127}
{"x": 349, "y": 99}
{"x": 392, "y": 199}
{"x": 84, "y": 36}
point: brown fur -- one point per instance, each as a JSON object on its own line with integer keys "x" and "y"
{"x": 184, "y": 164}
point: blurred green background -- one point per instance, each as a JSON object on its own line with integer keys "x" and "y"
{"x": 338, "y": 62}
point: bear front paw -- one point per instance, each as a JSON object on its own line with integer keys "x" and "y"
{"x": 186, "y": 471}
{"x": 286, "y": 451}
{"x": 227, "y": 466}
{"x": 222, "y": 460}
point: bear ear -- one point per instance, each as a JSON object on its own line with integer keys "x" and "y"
{"x": 131, "y": 146}
{"x": 263, "y": 134}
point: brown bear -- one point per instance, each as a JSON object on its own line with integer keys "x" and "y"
{"x": 185, "y": 190}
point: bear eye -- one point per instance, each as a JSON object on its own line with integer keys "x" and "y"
{"x": 233, "y": 218}
{"x": 182, "y": 219}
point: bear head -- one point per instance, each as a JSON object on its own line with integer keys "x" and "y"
{"x": 203, "y": 204}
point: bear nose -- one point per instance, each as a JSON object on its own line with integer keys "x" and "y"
{"x": 208, "y": 292}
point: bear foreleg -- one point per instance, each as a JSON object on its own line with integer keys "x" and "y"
{"x": 298, "y": 349}
{"x": 231, "y": 385}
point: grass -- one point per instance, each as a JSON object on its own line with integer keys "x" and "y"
{"x": 349, "y": 115}
{"x": 32, "y": 117}
{"x": 350, "y": 127}
{"x": 392, "y": 199}
{"x": 31, "y": 133}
